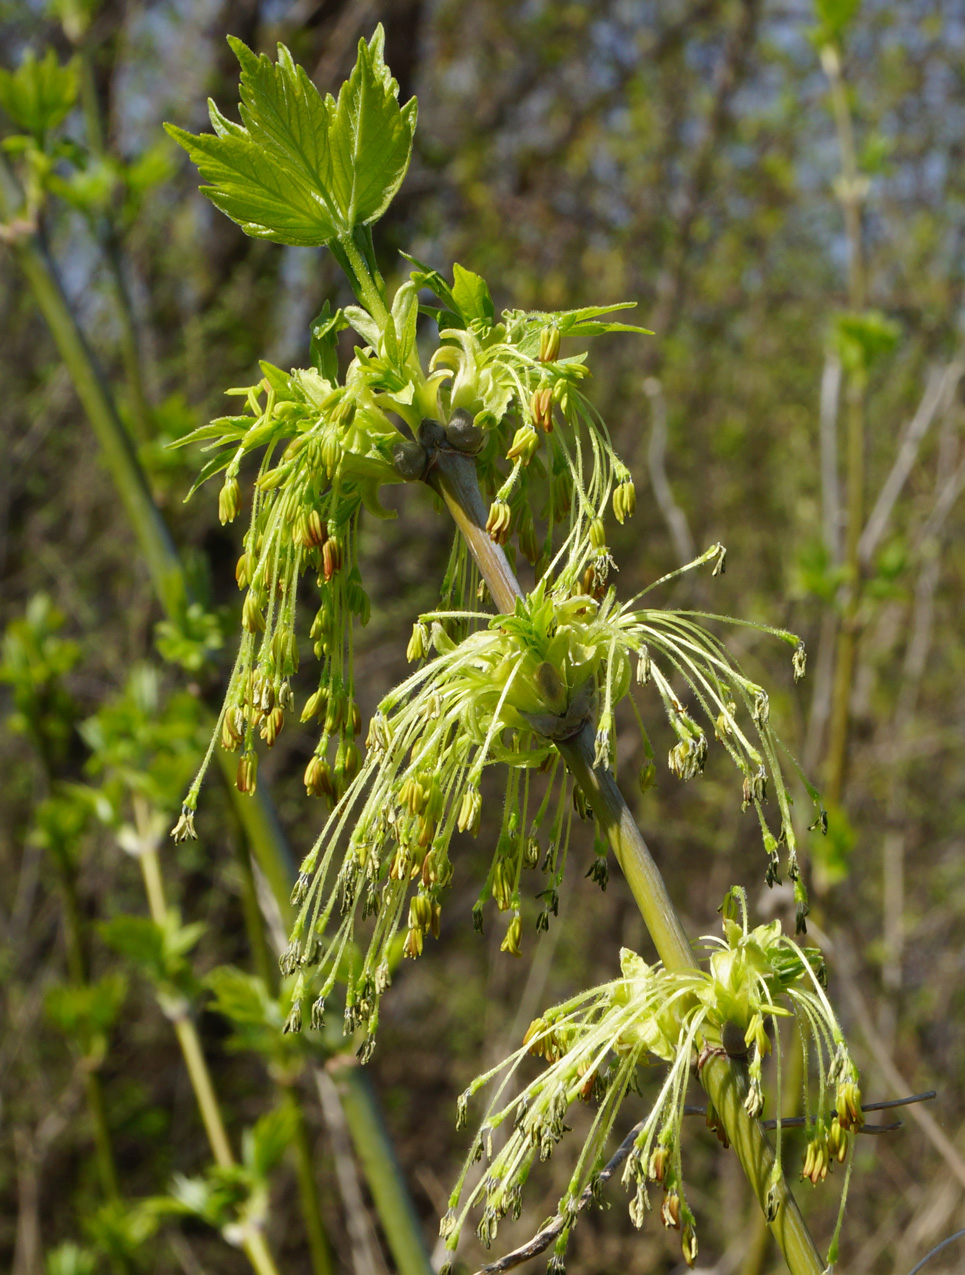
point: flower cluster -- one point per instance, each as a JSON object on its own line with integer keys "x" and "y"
{"x": 506, "y": 694}
{"x": 327, "y": 446}
{"x": 601, "y": 1045}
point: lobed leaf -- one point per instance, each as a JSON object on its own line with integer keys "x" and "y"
{"x": 301, "y": 169}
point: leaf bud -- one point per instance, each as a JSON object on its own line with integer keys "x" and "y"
{"x": 229, "y": 501}
{"x": 463, "y": 433}
{"x": 409, "y": 460}
{"x": 431, "y": 432}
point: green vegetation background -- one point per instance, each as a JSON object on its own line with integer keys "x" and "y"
{"x": 683, "y": 155}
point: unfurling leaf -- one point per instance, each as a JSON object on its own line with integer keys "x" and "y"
{"x": 301, "y": 169}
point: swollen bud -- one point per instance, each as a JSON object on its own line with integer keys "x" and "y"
{"x": 246, "y": 779}
{"x": 597, "y": 534}
{"x": 409, "y": 460}
{"x": 541, "y": 408}
{"x": 525, "y": 444}
{"x": 463, "y": 434}
{"x": 498, "y": 522}
{"x": 229, "y": 501}
{"x": 514, "y": 935}
{"x": 624, "y": 500}
{"x": 549, "y": 345}
{"x": 470, "y": 809}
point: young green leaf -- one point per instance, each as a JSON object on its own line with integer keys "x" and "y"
{"x": 301, "y": 169}
{"x": 471, "y": 295}
{"x": 371, "y": 137}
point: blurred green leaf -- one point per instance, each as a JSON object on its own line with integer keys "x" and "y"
{"x": 190, "y": 641}
{"x": 87, "y": 1013}
{"x": 70, "y": 1259}
{"x": 861, "y": 340}
{"x": 263, "y": 1145}
{"x": 39, "y": 94}
{"x": 834, "y": 18}
{"x": 158, "y": 951}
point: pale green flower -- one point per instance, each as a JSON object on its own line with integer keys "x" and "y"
{"x": 647, "y": 1030}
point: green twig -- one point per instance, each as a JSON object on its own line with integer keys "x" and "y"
{"x": 323, "y": 1263}
{"x": 377, "y": 1158}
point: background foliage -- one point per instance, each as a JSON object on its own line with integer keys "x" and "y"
{"x": 686, "y": 156}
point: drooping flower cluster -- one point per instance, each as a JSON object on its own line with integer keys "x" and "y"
{"x": 328, "y": 444}
{"x": 506, "y": 694}
{"x": 601, "y": 1045}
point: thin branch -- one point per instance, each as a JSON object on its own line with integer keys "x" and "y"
{"x": 828, "y": 435}
{"x": 937, "y": 1249}
{"x": 364, "y": 1250}
{"x": 878, "y": 1050}
{"x": 941, "y": 385}
{"x": 545, "y": 1236}
{"x": 673, "y": 515}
